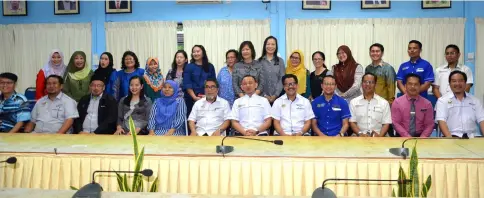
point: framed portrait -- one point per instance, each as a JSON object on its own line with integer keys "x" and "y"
{"x": 118, "y": 6}
{"x": 66, "y": 7}
{"x": 316, "y": 4}
{"x": 436, "y": 4}
{"x": 14, "y": 8}
{"x": 375, "y": 4}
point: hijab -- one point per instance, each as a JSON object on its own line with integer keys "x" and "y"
{"x": 345, "y": 72}
{"x": 155, "y": 81}
{"x": 105, "y": 73}
{"x": 74, "y": 72}
{"x": 166, "y": 106}
{"x": 50, "y": 69}
{"x": 299, "y": 71}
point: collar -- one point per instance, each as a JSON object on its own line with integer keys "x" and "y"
{"x": 247, "y": 96}
{"x": 465, "y": 95}
{"x": 417, "y": 61}
{"x": 458, "y": 66}
{"x": 11, "y": 97}
{"x": 96, "y": 97}
{"x": 416, "y": 98}
{"x": 379, "y": 65}
{"x": 287, "y": 97}
{"x": 205, "y": 100}
{"x": 332, "y": 98}
{"x": 373, "y": 98}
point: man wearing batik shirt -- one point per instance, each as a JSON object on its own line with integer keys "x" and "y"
{"x": 385, "y": 73}
{"x": 14, "y": 109}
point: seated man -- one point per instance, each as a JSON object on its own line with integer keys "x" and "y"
{"x": 370, "y": 113}
{"x": 331, "y": 111}
{"x": 458, "y": 111}
{"x": 251, "y": 113}
{"x": 292, "y": 113}
{"x": 412, "y": 114}
{"x": 210, "y": 115}
{"x": 14, "y": 108}
{"x": 97, "y": 111}
{"x": 54, "y": 112}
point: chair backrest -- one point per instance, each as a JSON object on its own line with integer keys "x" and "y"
{"x": 30, "y": 93}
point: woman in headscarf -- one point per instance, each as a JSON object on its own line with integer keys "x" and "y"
{"x": 348, "y": 74}
{"x": 153, "y": 79}
{"x": 55, "y": 65}
{"x": 168, "y": 115}
{"x": 105, "y": 68}
{"x": 77, "y": 77}
{"x": 136, "y": 105}
{"x": 295, "y": 65}
{"x": 119, "y": 81}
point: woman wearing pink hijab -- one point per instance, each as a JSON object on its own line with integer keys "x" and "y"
{"x": 55, "y": 66}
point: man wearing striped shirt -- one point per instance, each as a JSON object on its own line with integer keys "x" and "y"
{"x": 14, "y": 109}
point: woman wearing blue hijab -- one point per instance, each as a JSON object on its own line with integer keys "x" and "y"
{"x": 168, "y": 115}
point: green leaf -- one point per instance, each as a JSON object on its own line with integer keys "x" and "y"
{"x": 138, "y": 178}
{"x": 154, "y": 186}
{"x": 393, "y": 193}
{"x": 74, "y": 188}
{"x": 403, "y": 186}
{"x": 426, "y": 186}
{"x": 414, "y": 172}
{"x": 125, "y": 184}
{"x": 120, "y": 182}
{"x": 132, "y": 129}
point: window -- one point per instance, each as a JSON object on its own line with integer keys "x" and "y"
{"x": 179, "y": 36}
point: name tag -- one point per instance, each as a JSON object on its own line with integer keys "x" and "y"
{"x": 405, "y": 68}
{"x": 423, "y": 110}
{"x": 336, "y": 109}
{"x": 420, "y": 69}
{"x": 412, "y": 112}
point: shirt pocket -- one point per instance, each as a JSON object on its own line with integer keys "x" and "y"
{"x": 57, "y": 112}
{"x": 377, "y": 115}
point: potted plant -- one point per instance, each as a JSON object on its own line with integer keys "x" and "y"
{"x": 414, "y": 189}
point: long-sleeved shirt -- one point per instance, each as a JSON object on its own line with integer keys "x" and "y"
{"x": 386, "y": 79}
{"x": 424, "y": 116}
{"x": 76, "y": 89}
{"x": 140, "y": 113}
{"x": 119, "y": 82}
{"x": 226, "y": 90}
{"x": 194, "y": 77}
{"x": 242, "y": 69}
{"x": 273, "y": 74}
{"x": 178, "y": 122}
{"x": 355, "y": 89}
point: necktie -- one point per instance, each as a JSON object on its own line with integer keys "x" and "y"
{"x": 412, "y": 119}
{"x": 118, "y": 4}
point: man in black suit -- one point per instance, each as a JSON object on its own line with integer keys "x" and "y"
{"x": 97, "y": 111}
{"x": 66, "y": 5}
{"x": 118, "y": 4}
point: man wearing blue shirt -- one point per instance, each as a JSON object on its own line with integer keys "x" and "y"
{"x": 418, "y": 66}
{"x": 331, "y": 111}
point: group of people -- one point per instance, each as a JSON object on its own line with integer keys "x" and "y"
{"x": 250, "y": 96}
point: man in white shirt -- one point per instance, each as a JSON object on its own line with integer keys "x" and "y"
{"x": 370, "y": 113}
{"x": 458, "y": 111}
{"x": 55, "y": 112}
{"x": 441, "y": 84}
{"x": 292, "y": 113}
{"x": 251, "y": 113}
{"x": 210, "y": 115}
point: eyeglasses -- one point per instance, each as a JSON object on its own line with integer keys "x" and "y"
{"x": 318, "y": 59}
{"x": 329, "y": 84}
{"x": 6, "y": 83}
{"x": 368, "y": 82}
{"x": 98, "y": 86}
{"x": 294, "y": 58}
{"x": 211, "y": 87}
{"x": 290, "y": 84}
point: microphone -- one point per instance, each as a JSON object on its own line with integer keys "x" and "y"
{"x": 227, "y": 149}
{"x": 93, "y": 189}
{"x": 323, "y": 192}
{"x": 10, "y": 160}
{"x": 404, "y": 152}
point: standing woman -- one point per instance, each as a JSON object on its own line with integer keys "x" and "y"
{"x": 135, "y": 105}
{"x": 273, "y": 69}
{"x": 153, "y": 79}
{"x": 176, "y": 72}
{"x": 348, "y": 74}
{"x": 295, "y": 65}
{"x": 316, "y": 77}
{"x": 168, "y": 115}
{"x": 78, "y": 76}
{"x": 105, "y": 68}
{"x": 194, "y": 76}
{"x": 247, "y": 65}
{"x": 224, "y": 77}
{"x": 55, "y": 65}
{"x": 119, "y": 80}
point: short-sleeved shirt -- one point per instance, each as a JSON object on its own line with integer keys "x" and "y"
{"x": 209, "y": 116}
{"x": 292, "y": 114}
{"x": 461, "y": 116}
{"x": 442, "y": 74}
{"x": 330, "y": 114}
{"x": 420, "y": 67}
{"x": 13, "y": 110}
{"x": 251, "y": 111}
{"x": 370, "y": 115}
{"x": 49, "y": 116}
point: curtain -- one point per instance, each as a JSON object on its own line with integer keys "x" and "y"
{"x": 479, "y": 70}
{"x": 146, "y": 39}
{"x": 32, "y": 44}
{"x": 327, "y": 35}
{"x": 218, "y": 36}
{"x": 6, "y": 55}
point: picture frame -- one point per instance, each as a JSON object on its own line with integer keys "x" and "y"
{"x": 316, "y": 4}
{"x": 62, "y": 7}
{"x": 14, "y": 8}
{"x": 118, "y": 6}
{"x": 436, "y": 4}
{"x": 375, "y": 4}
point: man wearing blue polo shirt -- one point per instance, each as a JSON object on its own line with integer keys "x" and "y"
{"x": 418, "y": 66}
{"x": 331, "y": 111}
